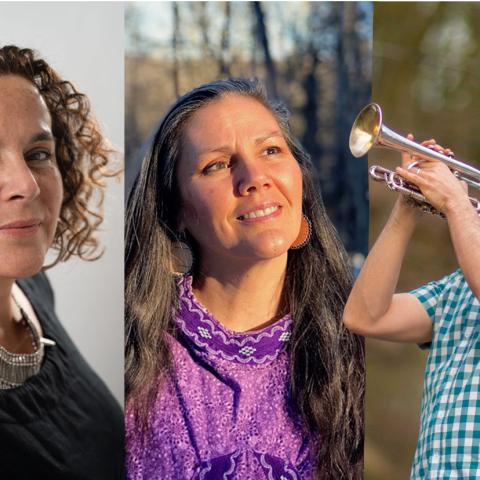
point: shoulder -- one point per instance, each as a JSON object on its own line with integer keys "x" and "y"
{"x": 453, "y": 287}
{"x": 444, "y": 283}
{"x": 433, "y": 292}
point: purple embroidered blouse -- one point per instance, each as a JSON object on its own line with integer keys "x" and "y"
{"x": 226, "y": 412}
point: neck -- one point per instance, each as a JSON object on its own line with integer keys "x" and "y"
{"x": 6, "y": 309}
{"x": 242, "y": 296}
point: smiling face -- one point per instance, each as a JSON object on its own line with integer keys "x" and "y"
{"x": 30, "y": 183}
{"x": 240, "y": 185}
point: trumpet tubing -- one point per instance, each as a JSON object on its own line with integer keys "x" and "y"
{"x": 369, "y": 131}
{"x": 398, "y": 184}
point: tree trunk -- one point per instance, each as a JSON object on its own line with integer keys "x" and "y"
{"x": 175, "y": 48}
{"x": 224, "y": 66}
{"x": 263, "y": 39}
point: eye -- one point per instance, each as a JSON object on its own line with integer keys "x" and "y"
{"x": 272, "y": 150}
{"x": 39, "y": 156}
{"x": 215, "y": 166}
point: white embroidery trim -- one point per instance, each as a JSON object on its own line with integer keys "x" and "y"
{"x": 265, "y": 464}
{"x": 209, "y": 349}
{"x": 204, "y": 316}
{"x": 232, "y": 466}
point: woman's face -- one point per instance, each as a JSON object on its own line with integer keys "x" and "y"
{"x": 30, "y": 183}
{"x": 240, "y": 185}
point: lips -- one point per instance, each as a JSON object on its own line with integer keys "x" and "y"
{"x": 32, "y": 222}
{"x": 21, "y": 228}
{"x": 260, "y": 212}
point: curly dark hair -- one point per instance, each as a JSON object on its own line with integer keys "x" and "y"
{"x": 83, "y": 153}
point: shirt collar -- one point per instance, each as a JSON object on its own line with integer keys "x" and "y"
{"x": 205, "y": 333}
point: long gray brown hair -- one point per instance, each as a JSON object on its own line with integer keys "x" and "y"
{"x": 327, "y": 362}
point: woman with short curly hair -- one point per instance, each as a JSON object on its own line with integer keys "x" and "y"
{"x": 57, "y": 418}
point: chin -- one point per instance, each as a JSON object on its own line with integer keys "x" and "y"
{"x": 21, "y": 266}
{"x": 272, "y": 246}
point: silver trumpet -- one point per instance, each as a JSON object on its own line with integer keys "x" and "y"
{"x": 368, "y": 131}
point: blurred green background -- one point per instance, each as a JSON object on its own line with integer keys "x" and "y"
{"x": 426, "y": 77}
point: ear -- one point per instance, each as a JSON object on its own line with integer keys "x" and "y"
{"x": 183, "y": 217}
{"x": 181, "y": 226}
{"x": 187, "y": 216}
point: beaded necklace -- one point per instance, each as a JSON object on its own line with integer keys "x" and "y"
{"x": 15, "y": 368}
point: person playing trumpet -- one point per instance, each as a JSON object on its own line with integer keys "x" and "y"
{"x": 443, "y": 316}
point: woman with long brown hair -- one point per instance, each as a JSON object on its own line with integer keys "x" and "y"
{"x": 237, "y": 362}
{"x": 57, "y": 418}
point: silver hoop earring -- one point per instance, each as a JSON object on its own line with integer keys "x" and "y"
{"x": 182, "y": 258}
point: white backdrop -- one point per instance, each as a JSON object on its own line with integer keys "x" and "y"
{"x": 84, "y": 43}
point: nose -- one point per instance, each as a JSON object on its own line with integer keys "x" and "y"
{"x": 17, "y": 180}
{"x": 252, "y": 177}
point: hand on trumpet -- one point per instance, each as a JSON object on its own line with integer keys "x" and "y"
{"x": 435, "y": 180}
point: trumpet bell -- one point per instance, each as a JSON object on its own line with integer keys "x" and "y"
{"x": 365, "y": 130}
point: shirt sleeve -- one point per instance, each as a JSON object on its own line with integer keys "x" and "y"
{"x": 431, "y": 296}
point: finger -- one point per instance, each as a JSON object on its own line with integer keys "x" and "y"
{"x": 437, "y": 148}
{"x": 430, "y": 144}
{"x": 417, "y": 160}
{"x": 449, "y": 152}
{"x": 431, "y": 141}
{"x": 429, "y": 164}
{"x": 410, "y": 176}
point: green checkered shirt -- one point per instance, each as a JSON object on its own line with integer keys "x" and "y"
{"x": 449, "y": 439}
